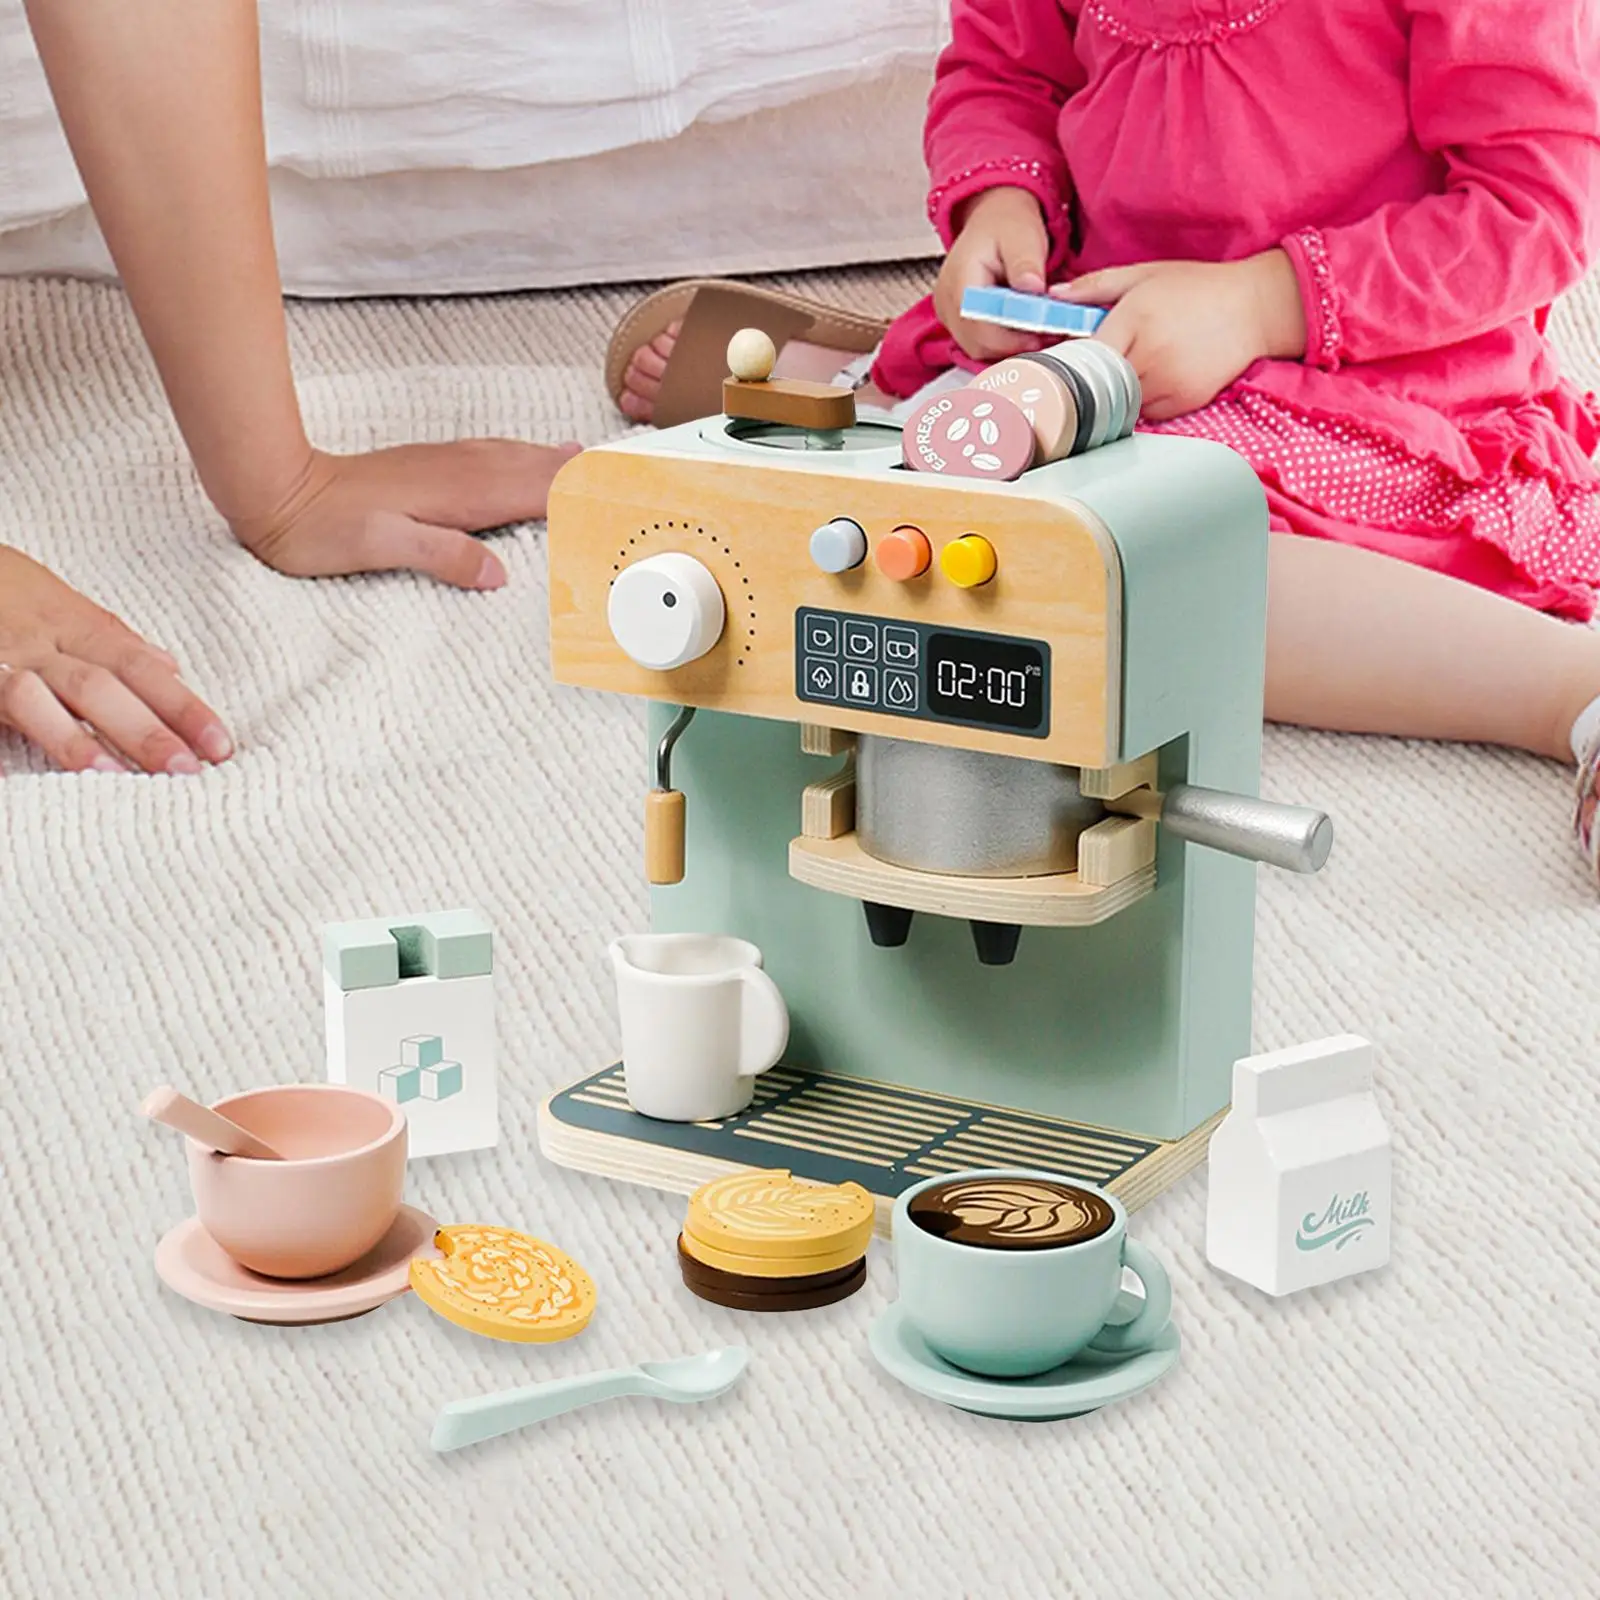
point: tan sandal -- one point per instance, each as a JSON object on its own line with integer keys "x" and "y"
{"x": 712, "y": 311}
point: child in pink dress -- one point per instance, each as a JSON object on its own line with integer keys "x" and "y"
{"x": 1326, "y": 230}
{"x": 1425, "y": 176}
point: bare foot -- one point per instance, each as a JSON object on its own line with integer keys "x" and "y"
{"x": 869, "y": 395}
{"x": 641, "y": 383}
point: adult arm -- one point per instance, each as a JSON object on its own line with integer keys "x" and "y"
{"x": 161, "y": 102}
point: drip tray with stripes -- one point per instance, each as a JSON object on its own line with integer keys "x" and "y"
{"x": 835, "y": 1129}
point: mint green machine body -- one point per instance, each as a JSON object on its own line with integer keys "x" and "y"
{"x": 1133, "y": 1023}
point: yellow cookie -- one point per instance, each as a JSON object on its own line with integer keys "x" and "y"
{"x": 505, "y": 1285}
{"x": 777, "y": 1217}
{"x": 773, "y": 1266}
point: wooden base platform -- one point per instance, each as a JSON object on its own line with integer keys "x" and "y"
{"x": 831, "y": 1128}
{"x": 1061, "y": 900}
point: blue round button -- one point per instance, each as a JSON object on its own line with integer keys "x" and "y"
{"x": 839, "y": 545}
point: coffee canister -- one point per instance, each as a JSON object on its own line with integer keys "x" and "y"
{"x": 967, "y": 812}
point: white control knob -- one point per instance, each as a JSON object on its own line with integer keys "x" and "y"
{"x": 666, "y": 611}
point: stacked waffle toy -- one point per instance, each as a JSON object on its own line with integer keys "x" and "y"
{"x": 764, "y": 1241}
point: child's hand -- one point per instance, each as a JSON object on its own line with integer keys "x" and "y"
{"x": 1002, "y": 242}
{"x": 1191, "y": 327}
{"x": 64, "y": 663}
{"x": 412, "y": 507}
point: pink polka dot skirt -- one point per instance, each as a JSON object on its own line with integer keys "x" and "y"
{"x": 1530, "y": 536}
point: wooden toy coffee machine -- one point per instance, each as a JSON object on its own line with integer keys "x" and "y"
{"x": 1019, "y": 723}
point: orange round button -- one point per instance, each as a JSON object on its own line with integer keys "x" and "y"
{"x": 905, "y": 554}
{"x": 968, "y": 561}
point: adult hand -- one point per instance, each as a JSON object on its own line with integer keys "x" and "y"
{"x": 65, "y": 662}
{"x": 411, "y": 507}
{"x": 1189, "y": 328}
{"x": 1002, "y": 241}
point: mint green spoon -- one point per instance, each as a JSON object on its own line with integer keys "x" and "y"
{"x": 685, "y": 1381}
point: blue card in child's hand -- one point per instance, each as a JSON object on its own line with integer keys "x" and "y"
{"x": 1031, "y": 313}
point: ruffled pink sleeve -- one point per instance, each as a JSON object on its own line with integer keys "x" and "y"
{"x": 996, "y": 104}
{"x": 1503, "y": 94}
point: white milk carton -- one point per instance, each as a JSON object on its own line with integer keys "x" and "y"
{"x": 1299, "y": 1189}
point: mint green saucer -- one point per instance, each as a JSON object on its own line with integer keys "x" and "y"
{"x": 1084, "y": 1384}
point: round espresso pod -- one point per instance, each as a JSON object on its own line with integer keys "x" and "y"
{"x": 1125, "y": 382}
{"x": 1045, "y": 398}
{"x": 1134, "y": 391}
{"x": 1083, "y": 397}
{"x": 1102, "y": 383}
{"x": 969, "y": 433}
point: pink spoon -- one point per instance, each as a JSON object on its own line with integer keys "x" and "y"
{"x": 204, "y": 1126}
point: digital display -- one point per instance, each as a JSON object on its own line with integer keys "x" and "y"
{"x": 898, "y": 667}
{"x": 997, "y": 683}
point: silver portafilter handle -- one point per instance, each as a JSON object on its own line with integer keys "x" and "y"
{"x": 1296, "y": 838}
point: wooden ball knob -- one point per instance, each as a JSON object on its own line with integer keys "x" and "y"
{"x": 751, "y": 356}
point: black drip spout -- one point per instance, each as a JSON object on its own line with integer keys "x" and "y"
{"x": 996, "y": 942}
{"x": 888, "y": 926}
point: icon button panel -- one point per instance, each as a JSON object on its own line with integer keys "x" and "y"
{"x": 882, "y": 665}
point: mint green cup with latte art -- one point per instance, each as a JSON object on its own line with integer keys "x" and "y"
{"x": 1009, "y": 1272}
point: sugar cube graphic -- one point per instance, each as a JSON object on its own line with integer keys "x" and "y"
{"x": 422, "y": 1050}
{"x": 400, "y": 1083}
{"x": 441, "y": 1080}
{"x": 422, "y": 1070}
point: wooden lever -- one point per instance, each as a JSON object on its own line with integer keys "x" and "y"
{"x": 816, "y": 407}
{"x": 752, "y": 394}
{"x": 663, "y": 836}
{"x": 663, "y": 810}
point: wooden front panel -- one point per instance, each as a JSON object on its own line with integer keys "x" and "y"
{"x": 750, "y": 524}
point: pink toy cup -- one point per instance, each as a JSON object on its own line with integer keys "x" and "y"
{"x": 330, "y": 1201}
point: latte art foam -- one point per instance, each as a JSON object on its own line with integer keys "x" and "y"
{"x": 1011, "y": 1213}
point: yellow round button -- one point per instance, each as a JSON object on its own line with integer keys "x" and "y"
{"x": 968, "y": 561}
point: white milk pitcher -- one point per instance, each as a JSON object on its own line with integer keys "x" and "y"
{"x": 700, "y": 1023}
{"x": 1299, "y": 1188}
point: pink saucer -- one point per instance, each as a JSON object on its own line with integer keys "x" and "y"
{"x": 191, "y": 1263}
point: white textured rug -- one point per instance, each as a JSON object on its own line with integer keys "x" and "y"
{"x": 1431, "y": 1432}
